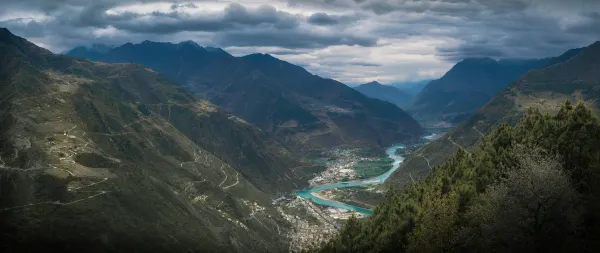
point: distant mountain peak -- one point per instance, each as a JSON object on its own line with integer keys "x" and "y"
{"x": 373, "y": 83}
{"x": 190, "y": 43}
{"x": 260, "y": 55}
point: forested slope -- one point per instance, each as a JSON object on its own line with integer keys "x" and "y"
{"x": 528, "y": 188}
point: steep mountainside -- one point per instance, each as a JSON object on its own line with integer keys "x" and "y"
{"x": 577, "y": 78}
{"x": 277, "y": 96}
{"x": 466, "y": 87}
{"x": 100, "y": 157}
{"x": 386, "y": 93}
{"x": 533, "y": 187}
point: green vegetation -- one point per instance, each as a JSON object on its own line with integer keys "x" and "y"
{"x": 529, "y": 188}
{"x": 572, "y": 76}
{"x": 359, "y": 196}
{"x": 368, "y": 169}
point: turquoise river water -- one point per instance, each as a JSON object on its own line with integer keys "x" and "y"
{"x": 307, "y": 194}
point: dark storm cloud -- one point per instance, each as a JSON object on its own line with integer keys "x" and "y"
{"x": 50, "y": 6}
{"x": 467, "y": 28}
{"x": 470, "y": 51}
{"x": 449, "y": 7}
{"x": 30, "y": 27}
{"x": 324, "y": 19}
{"x": 382, "y": 7}
{"x": 590, "y": 25}
{"x": 301, "y": 38}
{"x": 235, "y": 16}
{"x": 183, "y": 6}
{"x": 287, "y": 52}
{"x": 235, "y": 25}
{"x": 513, "y": 28}
{"x": 365, "y": 64}
{"x": 517, "y": 36}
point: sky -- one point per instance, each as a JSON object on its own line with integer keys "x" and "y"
{"x": 352, "y": 41}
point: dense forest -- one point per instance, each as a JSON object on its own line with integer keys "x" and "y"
{"x": 528, "y": 188}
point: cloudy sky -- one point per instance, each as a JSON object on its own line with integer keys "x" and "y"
{"x": 352, "y": 41}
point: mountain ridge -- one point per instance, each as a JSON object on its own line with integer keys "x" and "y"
{"x": 470, "y": 83}
{"x": 465, "y": 87}
{"x": 255, "y": 86}
{"x": 112, "y": 156}
{"x": 575, "y": 78}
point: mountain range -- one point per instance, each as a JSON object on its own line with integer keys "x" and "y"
{"x": 572, "y": 76}
{"x": 520, "y": 175}
{"x": 278, "y": 97}
{"x": 156, "y": 147}
{"x": 101, "y": 157}
{"x": 467, "y": 86}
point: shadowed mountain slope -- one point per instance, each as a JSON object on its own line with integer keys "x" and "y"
{"x": 576, "y": 78}
{"x": 279, "y": 97}
{"x": 467, "y": 86}
{"x": 101, "y": 157}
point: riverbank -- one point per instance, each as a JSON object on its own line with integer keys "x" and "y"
{"x": 308, "y": 193}
{"x": 396, "y": 157}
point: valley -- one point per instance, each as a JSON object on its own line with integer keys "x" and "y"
{"x": 352, "y": 172}
{"x": 260, "y": 126}
{"x": 84, "y": 136}
{"x": 350, "y": 186}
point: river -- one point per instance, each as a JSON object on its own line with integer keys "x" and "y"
{"x": 391, "y": 152}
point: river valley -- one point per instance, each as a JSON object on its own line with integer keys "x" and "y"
{"x": 315, "y": 195}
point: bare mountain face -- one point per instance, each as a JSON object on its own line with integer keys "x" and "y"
{"x": 470, "y": 84}
{"x": 572, "y": 76}
{"x": 279, "y": 97}
{"x": 98, "y": 157}
{"x": 387, "y": 93}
